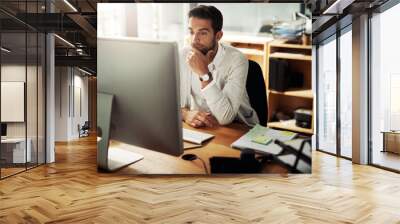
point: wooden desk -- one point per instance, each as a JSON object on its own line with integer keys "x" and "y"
{"x": 391, "y": 141}
{"x": 160, "y": 163}
{"x": 16, "y": 152}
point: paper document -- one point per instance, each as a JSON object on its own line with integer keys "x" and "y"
{"x": 261, "y": 139}
{"x": 195, "y": 136}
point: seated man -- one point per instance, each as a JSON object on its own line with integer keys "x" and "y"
{"x": 213, "y": 82}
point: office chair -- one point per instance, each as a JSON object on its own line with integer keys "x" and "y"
{"x": 84, "y": 130}
{"x": 255, "y": 87}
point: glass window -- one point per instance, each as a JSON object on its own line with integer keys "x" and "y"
{"x": 327, "y": 96}
{"x": 385, "y": 87}
{"x": 22, "y": 93}
{"x": 31, "y": 100}
{"x": 15, "y": 149}
{"x": 41, "y": 79}
{"x": 346, "y": 94}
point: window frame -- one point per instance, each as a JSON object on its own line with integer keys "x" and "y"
{"x": 341, "y": 27}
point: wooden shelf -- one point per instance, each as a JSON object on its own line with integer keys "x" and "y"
{"x": 292, "y": 56}
{"x": 305, "y": 93}
{"x": 281, "y": 43}
{"x": 249, "y": 51}
{"x": 290, "y": 125}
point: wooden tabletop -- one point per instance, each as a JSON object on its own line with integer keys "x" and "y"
{"x": 160, "y": 163}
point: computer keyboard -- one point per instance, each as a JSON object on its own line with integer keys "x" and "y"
{"x": 195, "y": 136}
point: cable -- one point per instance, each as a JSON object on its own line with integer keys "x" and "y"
{"x": 192, "y": 157}
{"x": 204, "y": 165}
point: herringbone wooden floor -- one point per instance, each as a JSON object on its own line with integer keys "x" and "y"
{"x": 71, "y": 191}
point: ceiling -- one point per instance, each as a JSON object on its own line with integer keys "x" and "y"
{"x": 74, "y": 21}
{"x": 331, "y": 15}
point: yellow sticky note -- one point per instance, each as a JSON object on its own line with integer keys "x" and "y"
{"x": 262, "y": 139}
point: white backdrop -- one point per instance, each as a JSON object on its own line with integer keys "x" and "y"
{"x": 12, "y": 101}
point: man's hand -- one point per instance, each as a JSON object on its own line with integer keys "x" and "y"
{"x": 199, "y": 119}
{"x": 198, "y": 62}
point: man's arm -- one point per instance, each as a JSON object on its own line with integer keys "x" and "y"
{"x": 224, "y": 103}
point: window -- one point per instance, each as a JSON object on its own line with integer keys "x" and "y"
{"x": 327, "y": 96}
{"x": 22, "y": 65}
{"x": 385, "y": 83}
{"x": 346, "y": 93}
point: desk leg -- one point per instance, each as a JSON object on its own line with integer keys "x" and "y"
{"x": 384, "y": 143}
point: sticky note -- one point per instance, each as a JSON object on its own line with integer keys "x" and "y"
{"x": 261, "y": 139}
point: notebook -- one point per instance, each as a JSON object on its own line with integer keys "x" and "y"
{"x": 194, "y": 139}
{"x": 260, "y": 139}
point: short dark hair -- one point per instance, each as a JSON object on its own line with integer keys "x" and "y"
{"x": 208, "y": 12}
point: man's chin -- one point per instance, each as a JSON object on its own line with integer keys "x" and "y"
{"x": 203, "y": 50}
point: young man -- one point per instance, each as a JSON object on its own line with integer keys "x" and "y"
{"x": 213, "y": 82}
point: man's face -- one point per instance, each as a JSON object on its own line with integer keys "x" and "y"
{"x": 202, "y": 34}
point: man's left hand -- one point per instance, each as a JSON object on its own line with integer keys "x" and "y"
{"x": 198, "y": 62}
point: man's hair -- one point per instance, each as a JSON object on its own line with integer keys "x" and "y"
{"x": 208, "y": 12}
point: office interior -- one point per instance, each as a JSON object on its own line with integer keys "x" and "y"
{"x": 354, "y": 83}
{"x": 162, "y": 22}
{"x": 357, "y": 84}
{"x": 48, "y": 83}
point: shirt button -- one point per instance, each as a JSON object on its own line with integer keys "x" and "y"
{"x": 211, "y": 67}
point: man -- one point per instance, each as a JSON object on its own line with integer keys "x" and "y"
{"x": 213, "y": 82}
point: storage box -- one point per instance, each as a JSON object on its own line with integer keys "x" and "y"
{"x": 303, "y": 118}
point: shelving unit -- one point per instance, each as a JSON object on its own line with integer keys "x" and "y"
{"x": 299, "y": 59}
{"x": 261, "y": 49}
{"x": 307, "y": 93}
{"x": 290, "y": 56}
{"x": 290, "y": 125}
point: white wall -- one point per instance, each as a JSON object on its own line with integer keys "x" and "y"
{"x": 246, "y": 17}
{"x": 12, "y": 73}
{"x": 117, "y": 19}
{"x": 169, "y": 21}
{"x": 69, "y": 82}
{"x": 79, "y": 117}
{"x": 61, "y": 103}
{"x": 33, "y": 126}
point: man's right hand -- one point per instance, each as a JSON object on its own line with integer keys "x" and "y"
{"x": 199, "y": 119}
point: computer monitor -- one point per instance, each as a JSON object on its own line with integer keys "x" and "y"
{"x": 3, "y": 130}
{"x": 138, "y": 95}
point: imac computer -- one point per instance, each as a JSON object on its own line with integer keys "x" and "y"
{"x": 137, "y": 99}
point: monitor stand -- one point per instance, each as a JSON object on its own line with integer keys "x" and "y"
{"x": 109, "y": 159}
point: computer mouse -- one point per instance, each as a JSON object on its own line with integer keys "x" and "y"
{"x": 189, "y": 157}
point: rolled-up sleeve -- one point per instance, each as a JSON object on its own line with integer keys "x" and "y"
{"x": 224, "y": 103}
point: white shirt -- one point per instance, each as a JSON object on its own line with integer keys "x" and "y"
{"x": 225, "y": 96}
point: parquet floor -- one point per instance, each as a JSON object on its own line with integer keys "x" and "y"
{"x": 71, "y": 191}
